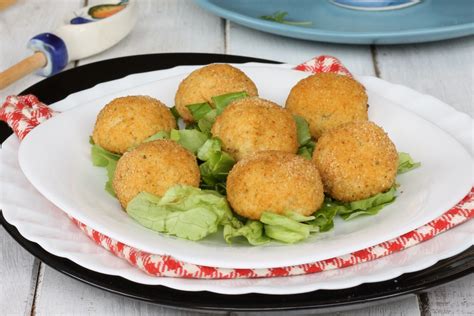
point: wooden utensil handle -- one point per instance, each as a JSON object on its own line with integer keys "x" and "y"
{"x": 21, "y": 69}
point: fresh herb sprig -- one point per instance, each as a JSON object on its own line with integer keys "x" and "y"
{"x": 279, "y": 17}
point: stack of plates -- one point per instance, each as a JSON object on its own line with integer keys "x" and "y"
{"x": 51, "y": 172}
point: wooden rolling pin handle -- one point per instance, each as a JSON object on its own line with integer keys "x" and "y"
{"x": 26, "y": 66}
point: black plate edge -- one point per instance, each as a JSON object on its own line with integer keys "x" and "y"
{"x": 444, "y": 271}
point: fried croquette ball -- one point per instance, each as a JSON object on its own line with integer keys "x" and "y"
{"x": 356, "y": 160}
{"x": 211, "y": 81}
{"x": 127, "y": 121}
{"x": 154, "y": 167}
{"x": 252, "y": 124}
{"x": 274, "y": 181}
{"x": 327, "y": 100}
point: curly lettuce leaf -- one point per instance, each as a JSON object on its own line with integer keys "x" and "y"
{"x": 205, "y": 124}
{"x": 252, "y": 231}
{"x": 183, "y": 211}
{"x": 176, "y": 114}
{"x": 222, "y": 101}
{"x": 199, "y": 110}
{"x": 216, "y": 165}
{"x": 209, "y": 148}
{"x": 191, "y": 139}
{"x": 306, "y": 144}
{"x": 302, "y": 127}
{"x": 284, "y": 228}
{"x": 406, "y": 163}
{"x": 324, "y": 218}
{"x": 306, "y": 151}
{"x": 159, "y": 135}
{"x": 105, "y": 159}
{"x": 369, "y": 206}
{"x": 205, "y": 115}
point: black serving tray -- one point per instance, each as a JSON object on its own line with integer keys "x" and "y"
{"x": 61, "y": 85}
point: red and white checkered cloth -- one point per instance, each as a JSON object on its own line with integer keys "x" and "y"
{"x": 23, "y": 113}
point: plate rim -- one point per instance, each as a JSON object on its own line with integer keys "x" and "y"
{"x": 144, "y": 63}
{"x": 461, "y": 265}
{"x": 14, "y": 215}
{"x": 201, "y": 260}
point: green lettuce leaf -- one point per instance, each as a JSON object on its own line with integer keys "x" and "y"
{"x": 302, "y": 128}
{"x": 306, "y": 144}
{"x": 184, "y": 211}
{"x": 406, "y": 163}
{"x": 306, "y": 151}
{"x": 209, "y": 148}
{"x": 216, "y": 165}
{"x": 105, "y": 159}
{"x": 205, "y": 115}
{"x": 191, "y": 139}
{"x": 369, "y": 206}
{"x": 298, "y": 217}
{"x": 176, "y": 114}
{"x": 199, "y": 110}
{"x": 159, "y": 135}
{"x": 285, "y": 235}
{"x": 205, "y": 124}
{"x": 284, "y": 228}
{"x": 222, "y": 101}
{"x": 252, "y": 231}
{"x": 324, "y": 218}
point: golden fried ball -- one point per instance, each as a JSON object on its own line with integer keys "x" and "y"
{"x": 327, "y": 100}
{"x": 274, "y": 181}
{"x": 126, "y": 122}
{"x": 356, "y": 160}
{"x": 252, "y": 124}
{"x": 154, "y": 167}
{"x": 211, "y": 81}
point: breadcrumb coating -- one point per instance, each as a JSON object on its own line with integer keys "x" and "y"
{"x": 327, "y": 100}
{"x": 154, "y": 167}
{"x": 211, "y": 81}
{"x": 274, "y": 181}
{"x": 252, "y": 124}
{"x": 127, "y": 121}
{"x": 356, "y": 160}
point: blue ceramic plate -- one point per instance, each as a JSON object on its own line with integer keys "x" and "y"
{"x": 430, "y": 20}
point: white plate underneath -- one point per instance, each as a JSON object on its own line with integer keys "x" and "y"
{"x": 55, "y": 159}
{"x": 40, "y": 221}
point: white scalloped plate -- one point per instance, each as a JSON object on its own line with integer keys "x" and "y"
{"x": 40, "y": 221}
{"x": 55, "y": 159}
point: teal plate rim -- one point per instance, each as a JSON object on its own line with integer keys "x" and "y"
{"x": 391, "y": 37}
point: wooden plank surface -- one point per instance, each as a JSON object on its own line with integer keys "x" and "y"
{"x": 22, "y": 21}
{"x": 172, "y": 26}
{"x": 19, "y": 269}
{"x": 244, "y": 41}
{"x": 61, "y": 295}
{"x": 456, "y": 298}
{"x": 168, "y": 26}
{"x": 444, "y": 70}
{"x": 18, "y": 276}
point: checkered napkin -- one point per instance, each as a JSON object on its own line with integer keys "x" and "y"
{"x": 23, "y": 113}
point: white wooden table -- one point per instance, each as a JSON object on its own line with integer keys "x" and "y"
{"x": 442, "y": 69}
